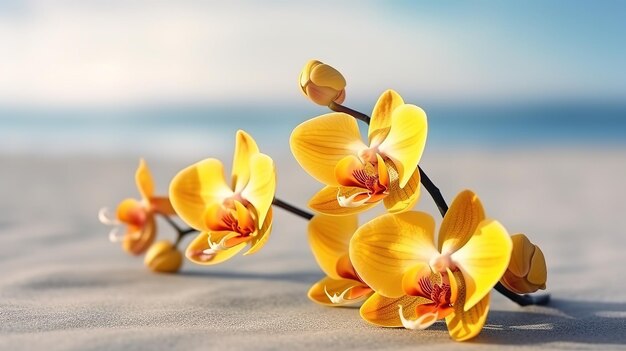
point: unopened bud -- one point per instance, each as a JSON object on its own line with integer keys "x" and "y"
{"x": 322, "y": 84}
{"x": 527, "y": 270}
{"x": 163, "y": 257}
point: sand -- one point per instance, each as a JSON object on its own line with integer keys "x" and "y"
{"x": 63, "y": 286}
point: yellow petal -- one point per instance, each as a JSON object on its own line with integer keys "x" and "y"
{"x": 383, "y": 249}
{"x": 325, "y": 201}
{"x": 466, "y": 325}
{"x": 329, "y": 237}
{"x": 257, "y": 242}
{"x": 245, "y": 148}
{"x": 341, "y": 289}
{"x": 195, "y": 250}
{"x": 521, "y": 255}
{"x": 320, "y": 143}
{"x": 383, "y": 311}
{"x": 538, "y": 272}
{"x": 144, "y": 180}
{"x": 162, "y": 205}
{"x": 261, "y": 188}
{"x": 196, "y": 188}
{"x": 327, "y": 76}
{"x": 405, "y": 142}
{"x": 483, "y": 260}
{"x": 401, "y": 199}
{"x": 460, "y": 222}
{"x": 381, "y": 116}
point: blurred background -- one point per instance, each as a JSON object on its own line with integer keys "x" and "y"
{"x": 526, "y": 103}
{"x": 179, "y": 78}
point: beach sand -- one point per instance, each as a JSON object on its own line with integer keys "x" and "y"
{"x": 63, "y": 286}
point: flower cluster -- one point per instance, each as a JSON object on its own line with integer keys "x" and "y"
{"x": 394, "y": 265}
{"x": 405, "y": 275}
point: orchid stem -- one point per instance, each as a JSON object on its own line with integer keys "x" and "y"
{"x": 180, "y": 232}
{"x": 290, "y": 208}
{"x": 435, "y": 193}
{"x": 356, "y": 114}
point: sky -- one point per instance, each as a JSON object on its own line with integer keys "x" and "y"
{"x": 93, "y": 53}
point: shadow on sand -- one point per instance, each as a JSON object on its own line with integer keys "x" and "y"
{"x": 562, "y": 321}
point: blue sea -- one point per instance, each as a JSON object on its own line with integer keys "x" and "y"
{"x": 173, "y": 130}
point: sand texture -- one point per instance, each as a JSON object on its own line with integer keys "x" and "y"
{"x": 63, "y": 286}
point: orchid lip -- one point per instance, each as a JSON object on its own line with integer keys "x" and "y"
{"x": 420, "y": 323}
{"x": 338, "y": 298}
{"x": 215, "y": 247}
{"x": 350, "y": 202}
{"x": 105, "y": 217}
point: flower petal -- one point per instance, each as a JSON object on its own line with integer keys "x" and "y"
{"x": 258, "y": 241}
{"x": 261, "y": 188}
{"x": 401, "y": 199}
{"x": 162, "y": 205}
{"x": 344, "y": 292}
{"x": 381, "y": 116}
{"x": 383, "y": 311}
{"x": 411, "y": 278}
{"x": 521, "y": 255}
{"x": 325, "y": 201}
{"x": 460, "y": 222}
{"x": 538, "y": 273}
{"x": 405, "y": 142}
{"x": 483, "y": 260}
{"x": 346, "y": 169}
{"x": 383, "y": 249}
{"x": 245, "y": 148}
{"x": 131, "y": 212}
{"x": 144, "y": 181}
{"x": 464, "y": 325}
{"x": 138, "y": 239}
{"x": 195, "y": 250}
{"x": 329, "y": 237}
{"x": 320, "y": 143}
{"x": 197, "y": 187}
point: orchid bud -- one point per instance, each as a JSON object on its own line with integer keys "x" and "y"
{"x": 163, "y": 257}
{"x": 527, "y": 270}
{"x": 322, "y": 84}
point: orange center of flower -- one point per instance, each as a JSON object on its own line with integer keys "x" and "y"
{"x": 440, "y": 295}
{"x": 231, "y": 216}
{"x": 368, "y": 180}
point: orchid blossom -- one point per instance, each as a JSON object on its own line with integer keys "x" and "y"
{"x": 329, "y": 237}
{"x": 138, "y": 216}
{"x": 228, "y": 217}
{"x": 418, "y": 282}
{"x": 358, "y": 176}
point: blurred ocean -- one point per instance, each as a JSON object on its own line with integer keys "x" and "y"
{"x": 202, "y": 130}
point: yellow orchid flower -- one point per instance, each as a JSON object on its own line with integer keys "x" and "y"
{"x": 137, "y": 215}
{"x": 418, "y": 282}
{"x": 358, "y": 176}
{"x": 228, "y": 217}
{"x": 329, "y": 238}
{"x": 527, "y": 271}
